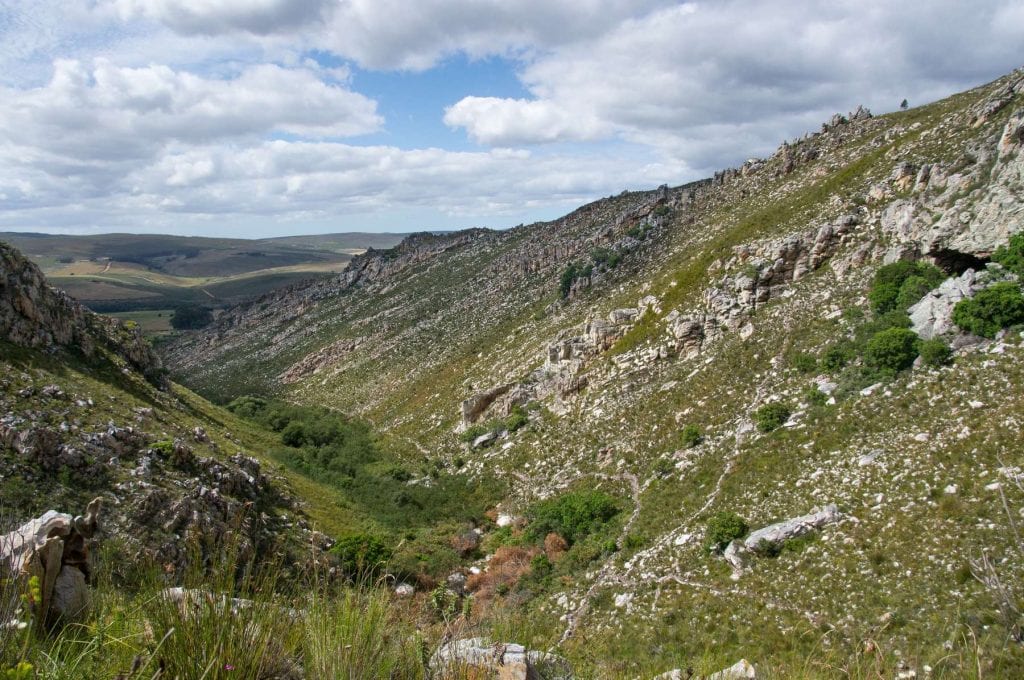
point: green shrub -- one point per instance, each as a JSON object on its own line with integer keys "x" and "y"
{"x": 691, "y": 436}
{"x": 516, "y": 419}
{"x": 1011, "y": 255}
{"x": 899, "y": 285}
{"x": 814, "y": 396}
{"x": 606, "y": 257}
{"x": 804, "y": 362}
{"x": 992, "y": 309}
{"x": 572, "y": 516}
{"x": 892, "y": 350}
{"x": 838, "y": 356}
{"x": 474, "y": 431}
{"x": 248, "y": 407}
{"x": 724, "y": 528}
{"x": 935, "y": 352}
{"x": 361, "y": 556}
{"x": 771, "y": 416}
{"x": 570, "y": 275}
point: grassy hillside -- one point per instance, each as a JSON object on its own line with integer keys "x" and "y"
{"x": 636, "y": 348}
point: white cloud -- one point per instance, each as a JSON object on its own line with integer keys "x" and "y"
{"x": 511, "y": 122}
{"x": 712, "y": 83}
{"x": 132, "y": 112}
{"x": 416, "y": 35}
{"x": 212, "y": 17}
{"x": 103, "y": 112}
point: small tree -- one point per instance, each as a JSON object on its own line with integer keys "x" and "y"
{"x": 1011, "y": 255}
{"x": 771, "y": 416}
{"x": 691, "y": 436}
{"x": 904, "y": 104}
{"x": 935, "y": 352}
{"x": 892, "y": 350}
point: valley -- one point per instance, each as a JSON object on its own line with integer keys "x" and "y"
{"x": 768, "y": 420}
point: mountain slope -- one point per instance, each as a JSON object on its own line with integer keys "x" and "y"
{"x": 86, "y": 410}
{"x": 699, "y": 306}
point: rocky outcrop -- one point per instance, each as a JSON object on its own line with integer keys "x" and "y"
{"x": 53, "y": 548}
{"x": 977, "y": 208}
{"x": 933, "y": 315}
{"x": 501, "y": 661}
{"x": 477, "y": 404}
{"x": 33, "y": 314}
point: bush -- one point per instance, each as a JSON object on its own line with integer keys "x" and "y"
{"x": 472, "y": 432}
{"x": 571, "y": 273}
{"x": 771, "y": 416}
{"x": 899, "y": 285}
{"x": 516, "y": 419}
{"x": 804, "y": 362}
{"x": 361, "y": 556}
{"x": 191, "y": 317}
{"x": 814, "y": 396}
{"x": 724, "y": 528}
{"x": 992, "y": 309}
{"x": 838, "y": 355}
{"x": 892, "y": 350}
{"x": 606, "y": 257}
{"x": 691, "y": 436}
{"x": 935, "y": 352}
{"x": 572, "y": 516}
{"x": 1011, "y": 256}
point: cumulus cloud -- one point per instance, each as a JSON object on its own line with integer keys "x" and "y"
{"x": 510, "y": 122}
{"x": 102, "y": 112}
{"x": 399, "y": 34}
{"x": 317, "y": 181}
{"x": 713, "y": 82}
{"x": 212, "y": 17}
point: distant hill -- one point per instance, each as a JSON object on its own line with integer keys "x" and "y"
{"x": 151, "y": 272}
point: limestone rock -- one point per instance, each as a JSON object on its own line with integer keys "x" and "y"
{"x": 738, "y": 671}
{"x": 501, "y": 661}
{"x": 775, "y": 534}
{"x": 932, "y": 316}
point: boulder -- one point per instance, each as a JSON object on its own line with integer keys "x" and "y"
{"x": 481, "y": 659}
{"x": 738, "y": 671}
{"x": 775, "y": 534}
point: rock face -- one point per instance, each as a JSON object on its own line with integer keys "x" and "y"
{"x": 32, "y": 314}
{"x": 53, "y": 548}
{"x": 978, "y": 207}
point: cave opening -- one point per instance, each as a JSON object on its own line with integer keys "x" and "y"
{"x": 955, "y": 262}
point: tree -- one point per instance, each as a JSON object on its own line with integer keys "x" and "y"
{"x": 191, "y": 317}
{"x": 892, "y": 350}
{"x": 904, "y": 104}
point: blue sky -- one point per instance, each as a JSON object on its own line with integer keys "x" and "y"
{"x": 274, "y": 117}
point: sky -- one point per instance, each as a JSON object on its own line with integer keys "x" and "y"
{"x": 254, "y": 118}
